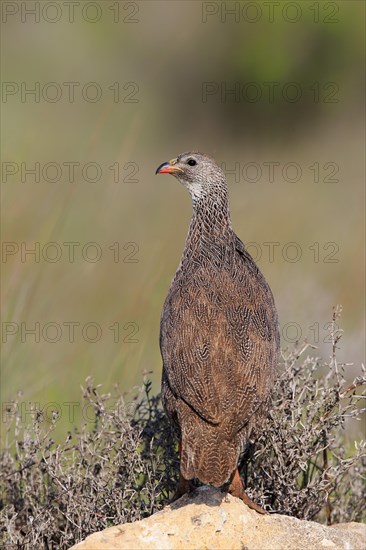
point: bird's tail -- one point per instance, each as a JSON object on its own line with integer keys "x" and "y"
{"x": 206, "y": 454}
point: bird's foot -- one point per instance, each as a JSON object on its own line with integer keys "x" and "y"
{"x": 236, "y": 489}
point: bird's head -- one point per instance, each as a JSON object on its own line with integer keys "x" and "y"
{"x": 196, "y": 171}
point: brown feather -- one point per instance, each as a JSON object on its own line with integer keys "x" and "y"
{"x": 219, "y": 337}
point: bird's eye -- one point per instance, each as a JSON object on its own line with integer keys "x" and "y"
{"x": 191, "y": 162}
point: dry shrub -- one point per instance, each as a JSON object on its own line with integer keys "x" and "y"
{"x": 119, "y": 470}
{"x": 124, "y": 467}
{"x": 302, "y": 462}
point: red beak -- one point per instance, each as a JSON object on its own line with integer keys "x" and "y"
{"x": 167, "y": 168}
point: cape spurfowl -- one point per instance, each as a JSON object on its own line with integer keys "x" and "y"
{"x": 219, "y": 336}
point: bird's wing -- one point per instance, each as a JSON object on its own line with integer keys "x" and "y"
{"x": 256, "y": 343}
{"x": 188, "y": 345}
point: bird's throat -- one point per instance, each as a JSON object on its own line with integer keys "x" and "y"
{"x": 210, "y": 232}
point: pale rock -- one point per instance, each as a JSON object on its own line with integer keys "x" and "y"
{"x": 210, "y": 520}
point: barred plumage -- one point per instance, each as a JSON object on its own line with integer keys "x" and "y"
{"x": 219, "y": 333}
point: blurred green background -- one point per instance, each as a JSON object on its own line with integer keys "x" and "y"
{"x": 164, "y": 71}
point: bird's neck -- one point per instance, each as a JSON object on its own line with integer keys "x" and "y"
{"x": 210, "y": 232}
{"x": 211, "y": 215}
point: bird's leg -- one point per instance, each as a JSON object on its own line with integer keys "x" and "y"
{"x": 184, "y": 485}
{"x": 236, "y": 488}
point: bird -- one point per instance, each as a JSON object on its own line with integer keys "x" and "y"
{"x": 219, "y": 337}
